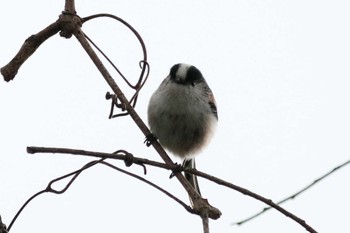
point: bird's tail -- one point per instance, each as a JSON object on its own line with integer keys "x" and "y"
{"x": 192, "y": 179}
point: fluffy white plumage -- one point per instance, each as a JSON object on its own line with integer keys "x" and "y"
{"x": 182, "y": 112}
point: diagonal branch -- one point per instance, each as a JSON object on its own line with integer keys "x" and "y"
{"x": 255, "y": 196}
{"x": 67, "y": 22}
{"x": 29, "y": 46}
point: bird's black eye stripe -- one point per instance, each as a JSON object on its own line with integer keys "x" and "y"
{"x": 173, "y": 71}
{"x": 193, "y": 75}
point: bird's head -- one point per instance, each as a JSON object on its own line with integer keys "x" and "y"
{"x": 185, "y": 74}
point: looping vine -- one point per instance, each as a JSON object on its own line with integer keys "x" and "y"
{"x": 143, "y": 64}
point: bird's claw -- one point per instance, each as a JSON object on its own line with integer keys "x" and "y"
{"x": 178, "y": 168}
{"x": 150, "y": 138}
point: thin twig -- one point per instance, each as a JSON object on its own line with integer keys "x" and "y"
{"x": 136, "y": 160}
{"x": 187, "y": 207}
{"x": 75, "y": 175}
{"x": 143, "y": 63}
{"x": 293, "y": 196}
{"x": 49, "y": 188}
{"x": 135, "y": 32}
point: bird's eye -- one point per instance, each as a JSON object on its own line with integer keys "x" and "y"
{"x": 193, "y": 84}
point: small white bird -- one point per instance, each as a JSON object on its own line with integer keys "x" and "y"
{"x": 182, "y": 114}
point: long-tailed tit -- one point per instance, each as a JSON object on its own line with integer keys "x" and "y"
{"x": 182, "y": 114}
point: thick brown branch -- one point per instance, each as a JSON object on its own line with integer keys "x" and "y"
{"x": 69, "y": 6}
{"x": 67, "y": 24}
{"x": 28, "y": 48}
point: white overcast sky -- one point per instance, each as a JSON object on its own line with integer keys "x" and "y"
{"x": 280, "y": 74}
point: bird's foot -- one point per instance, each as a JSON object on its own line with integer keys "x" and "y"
{"x": 150, "y": 138}
{"x": 178, "y": 168}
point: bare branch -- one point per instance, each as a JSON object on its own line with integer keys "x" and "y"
{"x": 49, "y": 188}
{"x": 205, "y": 223}
{"x": 187, "y": 207}
{"x": 28, "y": 48}
{"x": 67, "y": 24}
{"x": 253, "y": 195}
{"x": 69, "y": 6}
{"x": 136, "y": 160}
{"x": 143, "y": 63}
{"x": 293, "y": 196}
{"x": 75, "y": 175}
{"x": 201, "y": 212}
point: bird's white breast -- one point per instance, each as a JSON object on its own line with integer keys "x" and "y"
{"x": 180, "y": 118}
